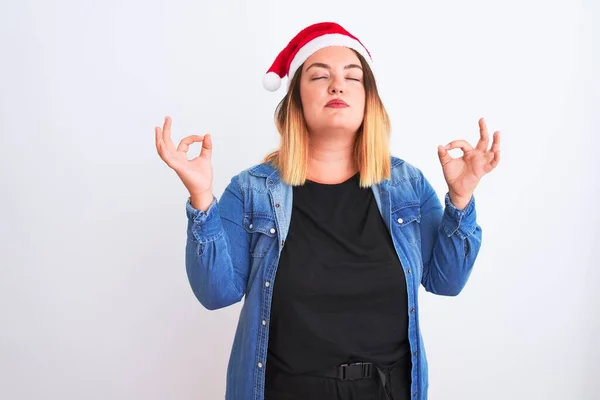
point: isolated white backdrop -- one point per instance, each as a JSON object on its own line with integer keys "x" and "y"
{"x": 94, "y": 299}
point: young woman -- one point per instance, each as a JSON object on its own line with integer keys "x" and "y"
{"x": 328, "y": 239}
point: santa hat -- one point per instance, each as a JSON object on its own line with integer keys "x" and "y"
{"x": 303, "y": 45}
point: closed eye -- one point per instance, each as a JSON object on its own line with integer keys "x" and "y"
{"x": 324, "y": 77}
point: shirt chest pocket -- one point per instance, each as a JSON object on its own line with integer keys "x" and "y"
{"x": 262, "y": 232}
{"x": 406, "y": 219}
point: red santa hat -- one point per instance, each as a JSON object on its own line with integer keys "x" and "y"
{"x": 304, "y": 44}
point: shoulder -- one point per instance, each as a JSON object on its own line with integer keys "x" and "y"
{"x": 407, "y": 183}
{"x": 402, "y": 172}
{"x": 254, "y": 176}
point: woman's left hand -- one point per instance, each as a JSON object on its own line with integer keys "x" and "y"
{"x": 464, "y": 173}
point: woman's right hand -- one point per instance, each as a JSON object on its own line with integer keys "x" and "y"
{"x": 197, "y": 173}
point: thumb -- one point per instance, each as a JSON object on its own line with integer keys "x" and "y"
{"x": 206, "y": 151}
{"x": 443, "y": 155}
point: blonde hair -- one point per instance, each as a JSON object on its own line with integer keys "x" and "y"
{"x": 371, "y": 147}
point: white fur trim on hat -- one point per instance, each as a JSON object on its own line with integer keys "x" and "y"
{"x": 320, "y": 42}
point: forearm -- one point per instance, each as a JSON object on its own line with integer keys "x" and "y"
{"x": 210, "y": 272}
{"x": 217, "y": 265}
{"x": 452, "y": 250}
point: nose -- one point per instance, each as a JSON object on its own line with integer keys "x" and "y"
{"x": 337, "y": 85}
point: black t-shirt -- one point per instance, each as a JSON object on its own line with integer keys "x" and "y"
{"x": 340, "y": 290}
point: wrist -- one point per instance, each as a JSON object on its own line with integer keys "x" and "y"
{"x": 201, "y": 201}
{"x": 459, "y": 202}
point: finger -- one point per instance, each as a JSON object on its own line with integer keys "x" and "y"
{"x": 496, "y": 142}
{"x": 185, "y": 143}
{"x": 484, "y": 139}
{"x": 443, "y": 155}
{"x": 206, "y": 151}
{"x": 166, "y": 134}
{"x": 496, "y": 160}
{"x": 462, "y": 144}
{"x": 160, "y": 146}
{"x": 157, "y": 135}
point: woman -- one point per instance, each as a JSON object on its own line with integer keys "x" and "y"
{"x": 329, "y": 237}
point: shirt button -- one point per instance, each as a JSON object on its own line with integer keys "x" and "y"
{"x": 264, "y": 322}
{"x": 414, "y": 353}
{"x": 277, "y": 205}
{"x": 400, "y": 220}
{"x": 408, "y": 271}
{"x": 267, "y": 284}
{"x": 272, "y": 230}
{"x": 251, "y": 226}
{"x": 415, "y": 394}
{"x": 412, "y": 310}
{"x": 259, "y": 365}
{"x": 270, "y": 182}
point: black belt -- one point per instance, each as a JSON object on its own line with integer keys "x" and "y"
{"x": 359, "y": 370}
{"x": 348, "y": 372}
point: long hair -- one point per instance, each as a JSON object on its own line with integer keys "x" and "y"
{"x": 371, "y": 146}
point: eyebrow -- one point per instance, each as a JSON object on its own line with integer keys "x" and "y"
{"x": 323, "y": 65}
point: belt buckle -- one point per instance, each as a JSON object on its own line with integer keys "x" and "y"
{"x": 359, "y": 370}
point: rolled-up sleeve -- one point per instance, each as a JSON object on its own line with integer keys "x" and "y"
{"x": 450, "y": 242}
{"x": 217, "y": 258}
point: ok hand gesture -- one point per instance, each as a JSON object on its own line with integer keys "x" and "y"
{"x": 197, "y": 173}
{"x": 464, "y": 173}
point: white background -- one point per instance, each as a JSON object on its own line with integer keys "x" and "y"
{"x": 94, "y": 299}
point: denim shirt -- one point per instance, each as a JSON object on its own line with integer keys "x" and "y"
{"x": 233, "y": 251}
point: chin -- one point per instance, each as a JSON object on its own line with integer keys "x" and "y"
{"x": 339, "y": 117}
{"x": 335, "y": 122}
{"x": 342, "y": 124}
{"x": 339, "y": 127}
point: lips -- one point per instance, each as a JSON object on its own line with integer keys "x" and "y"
{"x": 336, "y": 103}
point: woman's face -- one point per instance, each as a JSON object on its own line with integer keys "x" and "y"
{"x": 332, "y": 90}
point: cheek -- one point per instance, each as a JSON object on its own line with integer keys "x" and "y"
{"x": 310, "y": 101}
{"x": 313, "y": 97}
{"x": 361, "y": 97}
{"x": 360, "y": 104}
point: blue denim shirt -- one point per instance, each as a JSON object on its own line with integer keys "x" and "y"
{"x": 233, "y": 251}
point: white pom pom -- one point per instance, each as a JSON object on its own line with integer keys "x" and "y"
{"x": 271, "y": 81}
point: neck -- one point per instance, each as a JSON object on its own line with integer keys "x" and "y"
{"x": 331, "y": 160}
